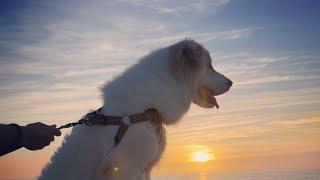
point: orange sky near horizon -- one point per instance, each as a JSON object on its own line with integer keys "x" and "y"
{"x": 240, "y": 144}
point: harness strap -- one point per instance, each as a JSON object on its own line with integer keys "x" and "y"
{"x": 120, "y": 133}
{"x": 97, "y": 118}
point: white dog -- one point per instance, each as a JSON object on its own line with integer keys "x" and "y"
{"x": 168, "y": 80}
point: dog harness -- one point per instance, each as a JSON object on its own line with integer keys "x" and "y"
{"x": 97, "y": 118}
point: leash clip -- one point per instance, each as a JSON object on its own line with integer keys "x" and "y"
{"x": 87, "y": 121}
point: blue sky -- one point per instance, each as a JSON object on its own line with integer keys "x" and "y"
{"x": 47, "y": 43}
{"x": 265, "y": 27}
{"x": 54, "y": 56}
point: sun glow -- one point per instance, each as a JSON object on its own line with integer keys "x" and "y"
{"x": 200, "y": 153}
{"x": 201, "y": 156}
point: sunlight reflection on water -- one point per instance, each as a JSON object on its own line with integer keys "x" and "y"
{"x": 203, "y": 176}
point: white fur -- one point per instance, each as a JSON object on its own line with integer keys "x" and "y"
{"x": 167, "y": 80}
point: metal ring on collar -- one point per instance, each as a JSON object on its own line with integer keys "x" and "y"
{"x": 126, "y": 120}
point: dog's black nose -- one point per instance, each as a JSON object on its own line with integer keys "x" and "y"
{"x": 229, "y": 83}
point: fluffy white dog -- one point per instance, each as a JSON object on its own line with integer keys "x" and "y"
{"x": 169, "y": 80}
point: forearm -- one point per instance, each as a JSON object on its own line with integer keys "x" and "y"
{"x": 8, "y": 139}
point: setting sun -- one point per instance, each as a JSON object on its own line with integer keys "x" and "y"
{"x": 201, "y": 156}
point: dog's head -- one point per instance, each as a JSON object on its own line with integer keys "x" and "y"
{"x": 190, "y": 63}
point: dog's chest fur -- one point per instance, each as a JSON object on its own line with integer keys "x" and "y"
{"x": 140, "y": 149}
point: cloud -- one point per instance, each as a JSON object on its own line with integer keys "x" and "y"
{"x": 203, "y": 37}
{"x": 177, "y": 7}
{"x": 312, "y": 121}
{"x": 70, "y": 52}
{"x": 277, "y": 78}
{"x": 249, "y": 69}
{"x": 90, "y": 47}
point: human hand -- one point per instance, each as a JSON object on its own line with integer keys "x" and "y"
{"x": 38, "y": 135}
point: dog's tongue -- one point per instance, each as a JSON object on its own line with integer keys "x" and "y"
{"x": 213, "y": 99}
{"x": 210, "y": 96}
{"x": 214, "y": 102}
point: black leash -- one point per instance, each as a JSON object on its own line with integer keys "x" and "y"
{"x": 85, "y": 121}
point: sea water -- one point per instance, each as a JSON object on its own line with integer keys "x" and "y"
{"x": 289, "y": 175}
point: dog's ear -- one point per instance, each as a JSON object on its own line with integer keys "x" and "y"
{"x": 185, "y": 59}
{"x": 191, "y": 54}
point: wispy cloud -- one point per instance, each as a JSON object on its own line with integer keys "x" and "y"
{"x": 311, "y": 121}
{"x": 248, "y": 69}
{"x": 203, "y": 37}
{"x": 69, "y": 52}
{"x": 177, "y": 7}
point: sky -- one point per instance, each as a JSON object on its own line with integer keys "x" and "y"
{"x": 55, "y": 55}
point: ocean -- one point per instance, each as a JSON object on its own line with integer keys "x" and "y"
{"x": 289, "y": 175}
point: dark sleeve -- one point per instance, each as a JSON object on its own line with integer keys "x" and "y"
{"x": 10, "y": 138}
